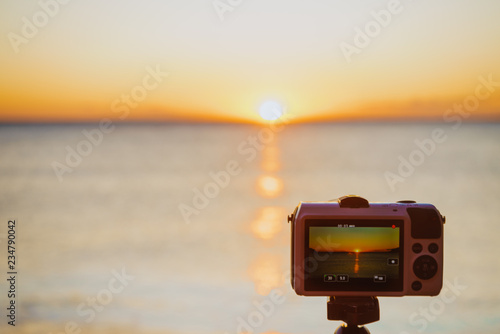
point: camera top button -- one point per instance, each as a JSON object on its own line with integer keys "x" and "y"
{"x": 353, "y": 201}
{"x": 406, "y": 201}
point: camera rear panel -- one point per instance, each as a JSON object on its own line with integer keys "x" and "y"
{"x": 383, "y": 249}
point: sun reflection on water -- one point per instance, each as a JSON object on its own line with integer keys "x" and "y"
{"x": 269, "y": 222}
{"x": 265, "y": 271}
{"x": 270, "y": 159}
{"x": 267, "y": 268}
{"x": 269, "y": 186}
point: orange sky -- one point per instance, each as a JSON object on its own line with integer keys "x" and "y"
{"x": 84, "y": 60}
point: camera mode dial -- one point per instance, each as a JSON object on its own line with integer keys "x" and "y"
{"x": 353, "y": 201}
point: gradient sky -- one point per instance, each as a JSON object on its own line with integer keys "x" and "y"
{"x": 90, "y": 53}
{"x": 362, "y": 239}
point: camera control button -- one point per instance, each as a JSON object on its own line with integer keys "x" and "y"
{"x": 416, "y": 286}
{"x": 406, "y": 201}
{"x": 433, "y": 248}
{"x": 425, "y": 267}
{"x": 417, "y": 248}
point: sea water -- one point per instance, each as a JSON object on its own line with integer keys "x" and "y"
{"x": 181, "y": 228}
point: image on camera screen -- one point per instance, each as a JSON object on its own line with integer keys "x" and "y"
{"x": 354, "y": 256}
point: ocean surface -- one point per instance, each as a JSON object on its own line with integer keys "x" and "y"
{"x": 182, "y": 228}
{"x": 362, "y": 265}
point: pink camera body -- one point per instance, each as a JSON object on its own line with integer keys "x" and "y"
{"x": 351, "y": 247}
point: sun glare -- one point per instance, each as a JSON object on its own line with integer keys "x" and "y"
{"x": 271, "y": 110}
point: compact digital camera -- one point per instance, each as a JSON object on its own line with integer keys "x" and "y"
{"x": 350, "y": 247}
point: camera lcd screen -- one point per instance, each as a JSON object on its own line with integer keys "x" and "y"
{"x": 353, "y": 255}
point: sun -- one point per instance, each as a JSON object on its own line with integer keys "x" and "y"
{"x": 271, "y": 110}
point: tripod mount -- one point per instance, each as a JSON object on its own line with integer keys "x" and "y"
{"x": 354, "y": 311}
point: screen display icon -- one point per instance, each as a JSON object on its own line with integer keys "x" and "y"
{"x": 393, "y": 262}
{"x": 343, "y": 278}
{"x": 329, "y": 278}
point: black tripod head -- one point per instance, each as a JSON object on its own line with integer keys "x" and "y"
{"x": 355, "y": 312}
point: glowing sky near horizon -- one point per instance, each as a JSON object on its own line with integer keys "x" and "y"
{"x": 91, "y": 55}
{"x": 358, "y": 239}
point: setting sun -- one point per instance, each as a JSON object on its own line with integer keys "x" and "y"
{"x": 271, "y": 110}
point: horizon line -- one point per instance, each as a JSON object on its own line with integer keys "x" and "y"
{"x": 381, "y": 120}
